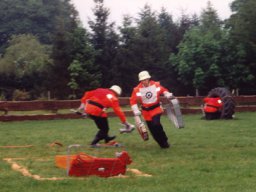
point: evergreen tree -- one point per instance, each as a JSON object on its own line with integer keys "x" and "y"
{"x": 170, "y": 30}
{"x": 170, "y": 39}
{"x": 150, "y": 44}
{"x": 105, "y": 42}
{"x": 125, "y": 62}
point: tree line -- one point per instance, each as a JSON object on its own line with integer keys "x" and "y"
{"x": 45, "y": 51}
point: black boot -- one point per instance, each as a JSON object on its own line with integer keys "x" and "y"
{"x": 165, "y": 145}
{"x": 95, "y": 141}
{"x": 108, "y": 138}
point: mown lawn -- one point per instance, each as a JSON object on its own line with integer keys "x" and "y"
{"x": 207, "y": 156}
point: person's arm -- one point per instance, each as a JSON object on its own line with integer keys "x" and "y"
{"x": 133, "y": 103}
{"x": 86, "y": 96}
{"x": 117, "y": 110}
{"x": 82, "y": 103}
{"x": 167, "y": 94}
{"x": 84, "y": 99}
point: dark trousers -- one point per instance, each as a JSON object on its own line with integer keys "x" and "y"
{"x": 157, "y": 131}
{"x": 102, "y": 125}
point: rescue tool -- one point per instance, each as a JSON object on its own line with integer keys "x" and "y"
{"x": 141, "y": 127}
{"x": 174, "y": 113}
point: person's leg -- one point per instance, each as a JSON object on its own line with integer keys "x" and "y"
{"x": 102, "y": 125}
{"x": 158, "y": 132}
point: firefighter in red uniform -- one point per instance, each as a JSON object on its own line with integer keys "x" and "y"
{"x": 95, "y": 102}
{"x": 147, "y": 93}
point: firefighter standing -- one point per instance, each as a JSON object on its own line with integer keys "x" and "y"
{"x": 95, "y": 102}
{"x": 148, "y": 92}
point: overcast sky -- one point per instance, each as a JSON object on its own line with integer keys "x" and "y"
{"x": 118, "y": 8}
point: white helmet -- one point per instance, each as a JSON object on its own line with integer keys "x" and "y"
{"x": 116, "y": 89}
{"x": 144, "y": 75}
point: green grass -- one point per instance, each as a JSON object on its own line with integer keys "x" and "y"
{"x": 206, "y": 156}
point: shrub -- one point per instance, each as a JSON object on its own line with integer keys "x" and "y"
{"x": 20, "y": 95}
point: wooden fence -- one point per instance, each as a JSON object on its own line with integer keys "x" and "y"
{"x": 59, "y": 109}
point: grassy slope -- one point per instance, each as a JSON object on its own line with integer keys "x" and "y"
{"x": 205, "y": 156}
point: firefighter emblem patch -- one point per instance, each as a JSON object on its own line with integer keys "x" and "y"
{"x": 149, "y": 95}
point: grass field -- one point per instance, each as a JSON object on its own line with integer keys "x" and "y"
{"x": 206, "y": 156}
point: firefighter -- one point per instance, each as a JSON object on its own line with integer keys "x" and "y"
{"x": 147, "y": 93}
{"x": 95, "y": 102}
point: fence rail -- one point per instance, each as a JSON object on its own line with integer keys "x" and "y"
{"x": 46, "y": 110}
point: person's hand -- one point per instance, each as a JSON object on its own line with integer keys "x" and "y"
{"x": 127, "y": 128}
{"x": 81, "y": 107}
{"x": 168, "y": 95}
{"x": 128, "y": 125}
{"x": 137, "y": 113}
{"x": 136, "y": 110}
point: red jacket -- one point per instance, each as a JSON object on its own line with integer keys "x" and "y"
{"x": 149, "y": 98}
{"x": 97, "y": 101}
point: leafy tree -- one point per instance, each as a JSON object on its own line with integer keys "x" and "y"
{"x": 242, "y": 26}
{"x": 53, "y": 22}
{"x": 75, "y": 69}
{"x": 235, "y": 73}
{"x": 32, "y": 17}
{"x": 198, "y": 81}
{"x": 198, "y": 61}
{"x": 25, "y": 56}
{"x": 25, "y": 59}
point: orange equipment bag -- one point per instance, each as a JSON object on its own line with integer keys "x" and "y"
{"x": 86, "y": 165}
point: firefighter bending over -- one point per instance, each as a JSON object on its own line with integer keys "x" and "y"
{"x": 95, "y": 102}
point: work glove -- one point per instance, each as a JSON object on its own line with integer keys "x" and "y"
{"x": 81, "y": 110}
{"x": 128, "y": 128}
{"x": 136, "y": 110}
{"x": 81, "y": 107}
{"x": 168, "y": 95}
